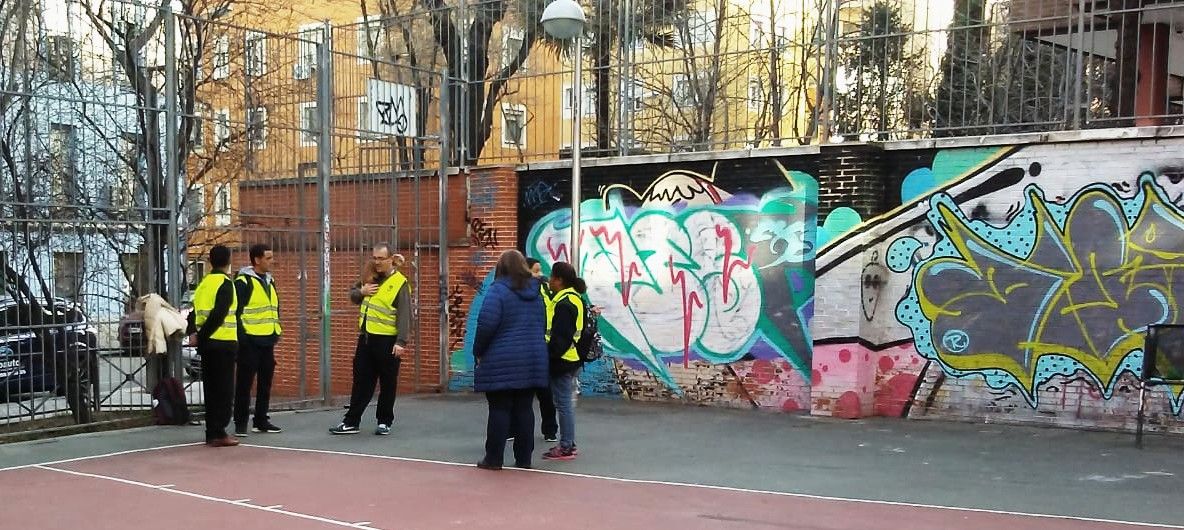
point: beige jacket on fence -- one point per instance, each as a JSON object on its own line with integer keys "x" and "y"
{"x": 161, "y": 321}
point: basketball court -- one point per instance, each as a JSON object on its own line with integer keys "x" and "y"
{"x": 280, "y": 481}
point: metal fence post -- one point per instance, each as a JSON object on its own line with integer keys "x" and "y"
{"x": 173, "y": 259}
{"x": 825, "y": 111}
{"x": 443, "y": 234}
{"x": 1075, "y": 116}
{"x": 324, "y": 170}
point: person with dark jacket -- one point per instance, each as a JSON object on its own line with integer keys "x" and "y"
{"x": 383, "y": 325}
{"x": 550, "y": 425}
{"x": 565, "y": 321}
{"x": 215, "y": 309}
{"x": 511, "y": 359}
{"x": 258, "y": 331}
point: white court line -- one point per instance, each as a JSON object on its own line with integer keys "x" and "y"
{"x": 739, "y": 490}
{"x": 104, "y": 455}
{"x": 241, "y": 504}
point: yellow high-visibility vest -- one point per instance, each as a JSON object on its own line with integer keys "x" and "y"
{"x": 379, "y": 316}
{"x": 261, "y": 315}
{"x": 203, "y": 302}
{"x": 571, "y": 295}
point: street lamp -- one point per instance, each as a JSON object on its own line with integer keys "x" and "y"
{"x": 563, "y": 20}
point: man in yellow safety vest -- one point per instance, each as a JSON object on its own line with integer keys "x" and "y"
{"x": 215, "y": 306}
{"x": 385, "y": 318}
{"x": 259, "y": 330}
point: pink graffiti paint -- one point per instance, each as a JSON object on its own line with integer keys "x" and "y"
{"x": 730, "y": 263}
{"x": 689, "y": 304}
{"x": 886, "y": 363}
{"x": 892, "y": 396}
{"x": 557, "y": 253}
{"x": 848, "y": 406}
{"x": 627, "y": 270}
{"x": 763, "y": 371}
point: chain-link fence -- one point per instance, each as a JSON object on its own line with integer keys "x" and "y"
{"x": 135, "y": 138}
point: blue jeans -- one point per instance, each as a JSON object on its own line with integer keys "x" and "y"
{"x": 562, "y": 387}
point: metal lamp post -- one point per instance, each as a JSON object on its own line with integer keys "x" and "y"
{"x": 563, "y": 20}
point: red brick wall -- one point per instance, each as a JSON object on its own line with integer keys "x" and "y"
{"x": 482, "y": 221}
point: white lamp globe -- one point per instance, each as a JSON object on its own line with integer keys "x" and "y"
{"x": 563, "y": 19}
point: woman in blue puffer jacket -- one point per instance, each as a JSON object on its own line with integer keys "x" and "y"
{"x": 510, "y": 350}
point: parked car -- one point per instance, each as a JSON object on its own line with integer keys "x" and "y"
{"x": 190, "y": 359}
{"x": 49, "y": 346}
{"x": 133, "y": 343}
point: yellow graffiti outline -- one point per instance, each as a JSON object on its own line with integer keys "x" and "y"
{"x": 1103, "y": 364}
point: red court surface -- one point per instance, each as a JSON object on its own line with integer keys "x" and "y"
{"x": 254, "y": 487}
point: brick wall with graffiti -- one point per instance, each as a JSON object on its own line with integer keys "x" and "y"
{"x": 1009, "y": 283}
{"x": 706, "y": 289}
{"x": 491, "y": 228}
{"x": 1013, "y": 283}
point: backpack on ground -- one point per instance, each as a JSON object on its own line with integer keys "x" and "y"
{"x": 168, "y": 402}
{"x": 589, "y": 346}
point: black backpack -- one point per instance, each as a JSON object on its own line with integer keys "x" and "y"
{"x": 169, "y": 406}
{"x": 589, "y": 346}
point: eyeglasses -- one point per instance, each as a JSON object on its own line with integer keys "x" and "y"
{"x": 381, "y": 258}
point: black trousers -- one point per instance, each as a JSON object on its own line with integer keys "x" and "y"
{"x": 217, "y": 377}
{"x": 547, "y": 412}
{"x": 511, "y": 412}
{"x": 374, "y": 361}
{"x": 254, "y": 361}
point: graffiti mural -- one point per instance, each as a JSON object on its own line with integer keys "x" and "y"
{"x": 1061, "y": 288}
{"x": 688, "y": 272}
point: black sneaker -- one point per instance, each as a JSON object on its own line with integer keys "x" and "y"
{"x": 550, "y": 437}
{"x": 266, "y": 427}
{"x": 342, "y": 428}
{"x": 241, "y": 430}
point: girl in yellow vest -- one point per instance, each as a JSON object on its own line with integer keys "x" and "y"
{"x": 565, "y": 320}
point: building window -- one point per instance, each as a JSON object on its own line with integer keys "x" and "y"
{"x": 699, "y": 29}
{"x": 638, "y": 95}
{"x": 257, "y": 127}
{"x": 310, "y": 124}
{"x": 256, "y": 50}
{"x": 222, "y": 57}
{"x": 512, "y": 41}
{"x": 371, "y": 38}
{"x": 121, "y": 191}
{"x": 195, "y": 272}
{"x": 365, "y": 131}
{"x": 682, "y": 93}
{"x": 310, "y": 36}
{"x": 756, "y": 94}
{"x": 63, "y": 172}
{"x": 59, "y": 57}
{"x": 513, "y": 125}
{"x": 222, "y": 128}
{"x": 222, "y": 205}
{"x": 197, "y": 134}
{"x": 587, "y": 106}
{"x": 68, "y": 273}
{"x": 702, "y": 27}
{"x": 195, "y": 205}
